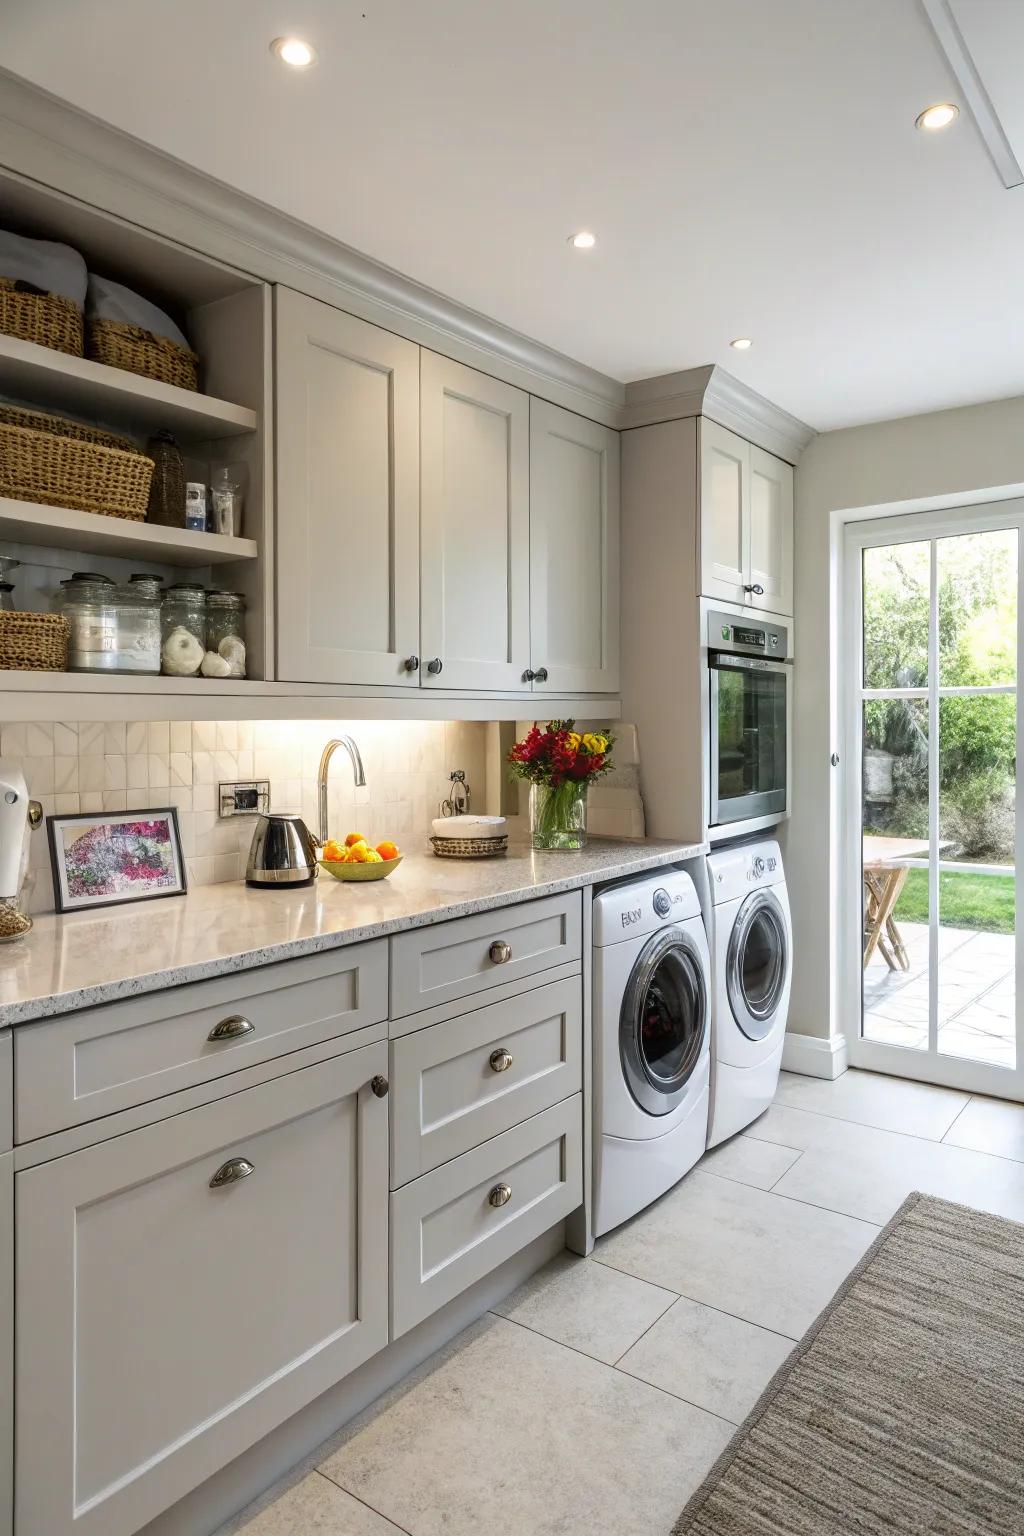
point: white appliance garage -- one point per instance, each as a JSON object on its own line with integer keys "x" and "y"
{"x": 652, "y": 1053}
{"x": 752, "y": 962}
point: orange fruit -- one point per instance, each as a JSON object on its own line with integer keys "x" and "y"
{"x": 353, "y": 838}
{"x": 332, "y": 851}
{"x": 387, "y": 851}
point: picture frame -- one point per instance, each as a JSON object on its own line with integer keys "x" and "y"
{"x": 105, "y": 858}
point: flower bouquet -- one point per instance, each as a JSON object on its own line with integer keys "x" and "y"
{"x": 560, "y": 764}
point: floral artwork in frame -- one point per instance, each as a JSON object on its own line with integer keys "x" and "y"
{"x": 106, "y": 857}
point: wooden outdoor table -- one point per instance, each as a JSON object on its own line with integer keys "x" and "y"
{"x": 885, "y": 866}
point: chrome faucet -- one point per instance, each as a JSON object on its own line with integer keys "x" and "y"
{"x": 321, "y": 778}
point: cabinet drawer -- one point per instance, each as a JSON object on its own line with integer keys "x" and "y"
{"x": 468, "y": 955}
{"x": 166, "y": 1323}
{"x": 453, "y": 1085}
{"x": 92, "y": 1063}
{"x": 445, "y": 1232}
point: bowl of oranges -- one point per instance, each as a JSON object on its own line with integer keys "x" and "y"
{"x": 356, "y": 859}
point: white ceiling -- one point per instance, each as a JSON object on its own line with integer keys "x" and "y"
{"x": 750, "y": 167}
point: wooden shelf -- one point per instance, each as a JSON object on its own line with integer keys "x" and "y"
{"x": 28, "y": 522}
{"x": 77, "y": 385}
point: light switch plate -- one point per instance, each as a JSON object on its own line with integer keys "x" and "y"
{"x": 250, "y": 798}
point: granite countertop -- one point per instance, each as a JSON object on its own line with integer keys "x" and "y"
{"x": 87, "y": 958}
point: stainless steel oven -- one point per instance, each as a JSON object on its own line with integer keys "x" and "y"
{"x": 750, "y": 671}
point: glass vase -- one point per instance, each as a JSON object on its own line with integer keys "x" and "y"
{"x": 558, "y": 816}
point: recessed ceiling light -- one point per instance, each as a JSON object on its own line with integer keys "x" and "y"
{"x": 293, "y": 51}
{"x": 741, "y": 343}
{"x": 939, "y": 116}
{"x": 584, "y": 241}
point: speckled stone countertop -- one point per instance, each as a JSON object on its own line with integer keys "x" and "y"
{"x": 87, "y": 958}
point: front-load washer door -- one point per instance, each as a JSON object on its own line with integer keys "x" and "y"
{"x": 757, "y": 964}
{"x": 663, "y": 1024}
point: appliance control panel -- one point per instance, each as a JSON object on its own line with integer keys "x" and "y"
{"x": 747, "y": 637}
{"x": 734, "y": 870}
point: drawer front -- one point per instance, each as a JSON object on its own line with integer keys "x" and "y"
{"x": 100, "y": 1060}
{"x": 166, "y": 1323}
{"x": 445, "y": 1231}
{"x": 6, "y": 1091}
{"x": 460, "y": 1082}
{"x": 471, "y": 954}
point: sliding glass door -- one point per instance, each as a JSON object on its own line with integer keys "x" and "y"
{"x": 932, "y": 642}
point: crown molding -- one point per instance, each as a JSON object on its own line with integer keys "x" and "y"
{"x": 711, "y": 391}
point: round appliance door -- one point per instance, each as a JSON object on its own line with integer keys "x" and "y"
{"x": 757, "y": 963}
{"x": 664, "y": 1021}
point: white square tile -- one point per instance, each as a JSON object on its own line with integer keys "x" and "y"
{"x": 588, "y": 1306}
{"x": 227, "y": 736}
{"x": 92, "y": 800}
{"x": 204, "y": 797}
{"x": 308, "y": 1505}
{"x": 137, "y": 770}
{"x": 160, "y": 737}
{"x": 65, "y": 739}
{"x": 39, "y": 739}
{"x": 115, "y": 800}
{"x": 181, "y": 736}
{"x": 749, "y": 1161}
{"x": 38, "y": 773}
{"x": 891, "y": 1103}
{"x": 90, "y": 738}
{"x": 202, "y": 768}
{"x": 990, "y": 1125}
{"x": 225, "y": 867}
{"x": 91, "y": 771}
{"x": 137, "y": 799}
{"x": 115, "y": 737}
{"x": 14, "y": 739}
{"x": 204, "y": 735}
{"x": 159, "y": 770}
{"x": 65, "y": 805}
{"x": 137, "y": 737}
{"x": 65, "y": 774}
{"x": 115, "y": 771}
{"x": 181, "y": 769}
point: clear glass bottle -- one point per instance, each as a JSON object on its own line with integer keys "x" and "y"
{"x": 183, "y": 630}
{"x": 89, "y": 603}
{"x": 225, "y": 629}
{"x": 138, "y": 604}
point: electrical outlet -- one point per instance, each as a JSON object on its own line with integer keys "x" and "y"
{"x": 250, "y": 798}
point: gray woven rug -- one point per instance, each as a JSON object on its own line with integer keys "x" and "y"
{"x": 902, "y": 1410}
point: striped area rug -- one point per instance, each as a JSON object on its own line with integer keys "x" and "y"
{"x": 902, "y": 1410}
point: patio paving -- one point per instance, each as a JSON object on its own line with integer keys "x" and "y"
{"x": 976, "y": 995}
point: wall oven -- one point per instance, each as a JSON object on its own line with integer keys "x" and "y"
{"x": 750, "y": 673}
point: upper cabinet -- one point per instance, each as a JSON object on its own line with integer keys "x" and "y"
{"x": 347, "y": 498}
{"x": 475, "y": 528}
{"x": 745, "y": 526}
{"x": 574, "y": 552}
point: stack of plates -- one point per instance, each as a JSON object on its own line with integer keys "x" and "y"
{"x": 469, "y": 837}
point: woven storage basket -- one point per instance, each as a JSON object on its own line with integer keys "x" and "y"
{"x": 138, "y": 351}
{"x": 68, "y": 464}
{"x": 33, "y": 642}
{"x": 469, "y": 847}
{"x": 46, "y": 318}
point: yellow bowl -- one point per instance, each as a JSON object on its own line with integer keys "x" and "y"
{"x": 342, "y": 871}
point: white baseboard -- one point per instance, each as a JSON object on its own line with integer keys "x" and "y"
{"x": 815, "y": 1055}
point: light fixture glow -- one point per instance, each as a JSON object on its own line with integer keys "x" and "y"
{"x": 938, "y": 116}
{"x": 293, "y": 51}
{"x": 742, "y": 343}
{"x": 584, "y": 241}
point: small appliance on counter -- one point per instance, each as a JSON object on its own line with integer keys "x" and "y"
{"x": 283, "y": 852}
{"x": 18, "y": 815}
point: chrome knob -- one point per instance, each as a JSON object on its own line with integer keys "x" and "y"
{"x": 529, "y": 675}
{"x": 500, "y": 1195}
{"x": 541, "y": 675}
{"x": 380, "y": 1086}
{"x": 756, "y": 589}
{"x": 231, "y": 1028}
{"x": 500, "y": 952}
{"x": 232, "y": 1172}
{"x": 435, "y": 666}
{"x": 501, "y": 1060}
{"x": 412, "y": 663}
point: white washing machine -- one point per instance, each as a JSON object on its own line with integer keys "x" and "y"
{"x": 652, "y": 1041}
{"x": 752, "y": 964}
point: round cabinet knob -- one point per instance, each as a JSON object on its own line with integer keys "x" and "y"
{"x": 380, "y": 1086}
{"x": 501, "y": 1060}
{"x": 232, "y": 1172}
{"x": 412, "y": 663}
{"x": 500, "y": 952}
{"x": 231, "y": 1028}
{"x": 500, "y": 1195}
{"x": 541, "y": 675}
{"x": 756, "y": 589}
{"x": 529, "y": 675}
{"x": 435, "y": 666}
{"x": 834, "y": 759}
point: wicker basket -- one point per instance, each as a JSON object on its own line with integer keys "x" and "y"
{"x": 33, "y": 642}
{"x": 469, "y": 847}
{"x": 48, "y": 319}
{"x": 68, "y": 464}
{"x": 138, "y": 351}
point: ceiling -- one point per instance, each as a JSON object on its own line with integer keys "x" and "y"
{"x": 749, "y": 168}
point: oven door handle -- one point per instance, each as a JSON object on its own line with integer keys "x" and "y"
{"x": 724, "y": 661}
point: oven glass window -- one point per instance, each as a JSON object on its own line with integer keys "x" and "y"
{"x": 751, "y": 734}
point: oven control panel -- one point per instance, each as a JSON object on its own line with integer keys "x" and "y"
{"x": 746, "y": 637}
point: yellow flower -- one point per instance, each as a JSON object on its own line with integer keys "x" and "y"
{"x": 573, "y": 740}
{"x": 595, "y": 744}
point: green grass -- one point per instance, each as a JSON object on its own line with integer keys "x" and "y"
{"x": 965, "y": 901}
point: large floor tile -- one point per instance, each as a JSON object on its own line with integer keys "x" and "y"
{"x": 313, "y": 1506}
{"x": 891, "y": 1103}
{"x": 708, "y": 1358}
{"x": 587, "y": 1306}
{"x": 868, "y": 1173}
{"x": 990, "y": 1125}
{"x": 771, "y": 1261}
{"x": 748, "y": 1161}
{"x": 509, "y": 1433}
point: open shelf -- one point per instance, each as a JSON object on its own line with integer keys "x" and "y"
{"x": 29, "y": 522}
{"x": 75, "y": 384}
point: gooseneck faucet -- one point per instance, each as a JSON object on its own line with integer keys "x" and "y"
{"x": 321, "y": 779}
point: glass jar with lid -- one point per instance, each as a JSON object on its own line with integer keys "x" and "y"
{"x": 183, "y": 630}
{"x": 225, "y": 629}
{"x": 89, "y": 603}
{"x": 139, "y": 625}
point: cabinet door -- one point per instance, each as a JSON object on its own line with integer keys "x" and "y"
{"x": 166, "y": 1322}
{"x": 771, "y": 532}
{"x": 347, "y": 498}
{"x": 724, "y": 512}
{"x": 475, "y": 524}
{"x": 574, "y": 552}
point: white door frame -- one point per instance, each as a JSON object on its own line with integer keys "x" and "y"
{"x": 852, "y": 533}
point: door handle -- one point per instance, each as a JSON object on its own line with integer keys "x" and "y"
{"x": 500, "y": 953}
{"x": 232, "y": 1172}
{"x": 500, "y": 1060}
{"x": 231, "y": 1028}
{"x": 435, "y": 666}
{"x": 380, "y": 1086}
{"x": 529, "y": 675}
{"x": 412, "y": 663}
{"x": 541, "y": 675}
{"x": 500, "y": 1195}
{"x": 756, "y": 589}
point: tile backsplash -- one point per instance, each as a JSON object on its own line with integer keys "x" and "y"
{"x": 118, "y": 766}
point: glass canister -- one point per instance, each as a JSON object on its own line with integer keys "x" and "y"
{"x": 225, "y": 630}
{"x": 183, "y": 630}
{"x": 138, "y": 604}
{"x": 167, "y": 487}
{"x": 89, "y": 603}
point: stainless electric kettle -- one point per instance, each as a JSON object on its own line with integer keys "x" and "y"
{"x": 283, "y": 851}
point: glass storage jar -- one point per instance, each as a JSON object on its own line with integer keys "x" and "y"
{"x": 89, "y": 603}
{"x": 183, "y": 630}
{"x": 138, "y": 625}
{"x": 225, "y": 630}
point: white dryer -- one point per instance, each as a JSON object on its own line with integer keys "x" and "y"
{"x": 652, "y": 1034}
{"x": 752, "y": 964}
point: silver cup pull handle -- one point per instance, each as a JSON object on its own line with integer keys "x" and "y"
{"x": 232, "y": 1172}
{"x": 231, "y": 1028}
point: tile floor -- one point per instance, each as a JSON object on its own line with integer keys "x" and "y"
{"x": 596, "y": 1398}
{"x": 976, "y": 995}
